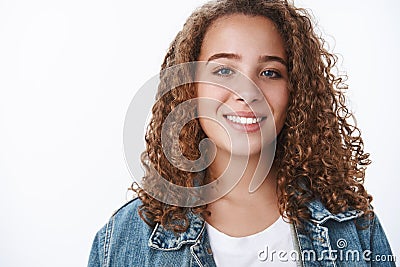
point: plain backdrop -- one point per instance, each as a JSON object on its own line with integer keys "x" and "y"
{"x": 68, "y": 71}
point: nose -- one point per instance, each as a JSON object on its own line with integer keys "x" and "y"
{"x": 247, "y": 92}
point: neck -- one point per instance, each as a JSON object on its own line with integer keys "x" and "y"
{"x": 256, "y": 175}
{"x": 240, "y": 212}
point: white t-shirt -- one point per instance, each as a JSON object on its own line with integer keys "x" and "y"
{"x": 270, "y": 247}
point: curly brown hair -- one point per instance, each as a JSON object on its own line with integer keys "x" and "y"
{"x": 320, "y": 152}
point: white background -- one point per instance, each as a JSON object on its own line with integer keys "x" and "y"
{"x": 68, "y": 70}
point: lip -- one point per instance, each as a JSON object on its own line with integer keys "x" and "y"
{"x": 247, "y": 114}
{"x": 247, "y": 128}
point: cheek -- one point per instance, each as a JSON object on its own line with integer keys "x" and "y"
{"x": 284, "y": 101}
{"x": 215, "y": 132}
{"x": 209, "y": 99}
{"x": 212, "y": 92}
{"x": 278, "y": 100}
{"x": 209, "y": 126}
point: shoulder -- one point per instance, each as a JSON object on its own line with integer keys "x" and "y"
{"x": 320, "y": 215}
{"x": 126, "y": 240}
{"x": 128, "y": 211}
{"x": 124, "y": 233}
{"x": 350, "y": 226}
{"x": 126, "y": 221}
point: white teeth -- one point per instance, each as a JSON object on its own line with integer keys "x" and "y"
{"x": 243, "y": 120}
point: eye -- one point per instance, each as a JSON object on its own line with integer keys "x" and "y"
{"x": 224, "y": 71}
{"x": 271, "y": 74}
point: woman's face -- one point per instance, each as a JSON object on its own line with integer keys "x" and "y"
{"x": 242, "y": 53}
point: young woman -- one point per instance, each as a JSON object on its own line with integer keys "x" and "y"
{"x": 310, "y": 208}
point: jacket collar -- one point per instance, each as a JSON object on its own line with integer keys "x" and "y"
{"x": 320, "y": 214}
{"x": 164, "y": 239}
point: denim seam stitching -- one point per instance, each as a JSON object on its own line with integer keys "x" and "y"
{"x": 336, "y": 218}
{"x": 177, "y": 247}
{"x": 107, "y": 242}
{"x": 197, "y": 241}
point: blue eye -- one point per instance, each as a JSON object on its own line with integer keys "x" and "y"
{"x": 224, "y": 71}
{"x": 270, "y": 74}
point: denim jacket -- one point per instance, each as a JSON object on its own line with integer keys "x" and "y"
{"x": 344, "y": 239}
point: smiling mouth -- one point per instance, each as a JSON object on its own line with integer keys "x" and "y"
{"x": 244, "y": 120}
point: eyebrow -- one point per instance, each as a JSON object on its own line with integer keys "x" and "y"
{"x": 272, "y": 58}
{"x": 224, "y": 55}
{"x": 261, "y": 59}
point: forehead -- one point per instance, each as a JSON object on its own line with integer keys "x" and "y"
{"x": 243, "y": 33}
